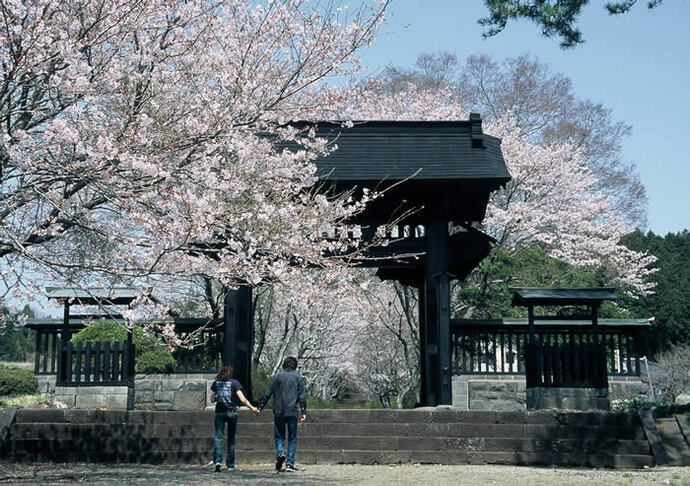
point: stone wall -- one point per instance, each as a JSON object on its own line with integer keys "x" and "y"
{"x": 46, "y": 384}
{"x": 172, "y": 392}
{"x": 151, "y": 392}
{"x": 508, "y": 392}
{"x": 103, "y": 397}
{"x": 543, "y": 398}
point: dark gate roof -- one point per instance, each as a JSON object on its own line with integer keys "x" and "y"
{"x": 424, "y": 150}
{"x": 564, "y": 296}
{"x": 437, "y": 169}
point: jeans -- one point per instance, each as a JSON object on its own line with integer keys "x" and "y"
{"x": 279, "y": 424}
{"x": 219, "y": 421}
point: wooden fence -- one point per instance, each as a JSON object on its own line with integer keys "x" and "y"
{"x": 205, "y": 354}
{"x": 203, "y": 357}
{"x": 499, "y": 348}
{"x": 96, "y": 364}
{"x": 569, "y": 366}
{"x": 48, "y": 345}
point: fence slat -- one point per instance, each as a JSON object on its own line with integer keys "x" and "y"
{"x": 77, "y": 368}
{"x": 37, "y": 357}
{"x": 106, "y": 362}
{"x": 68, "y": 362}
{"x": 97, "y": 364}
{"x": 115, "y": 367}
{"x": 44, "y": 352}
{"x": 87, "y": 365}
{"x": 629, "y": 352}
{"x": 54, "y": 353}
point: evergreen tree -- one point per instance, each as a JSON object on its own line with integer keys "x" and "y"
{"x": 670, "y": 302}
{"x": 15, "y": 340}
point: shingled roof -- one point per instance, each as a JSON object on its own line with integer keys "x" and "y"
{"x": 423, "y": 150}
{"x": 439, "y": 169}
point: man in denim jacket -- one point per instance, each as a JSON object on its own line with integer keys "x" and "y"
{"x": 288, "y": 390}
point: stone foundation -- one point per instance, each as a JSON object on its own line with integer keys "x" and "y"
{"x": 568, "y": 398}
{"x": 151, "y": 392}
{"x": 46, "y": 384}
{"x": 508, "y": 392}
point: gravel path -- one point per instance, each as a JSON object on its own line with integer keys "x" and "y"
{"x": 427, "y": 475}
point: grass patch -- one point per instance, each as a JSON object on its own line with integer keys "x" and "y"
{"x": 634, "y": 404}
{"x": 320, "y": 403}
{"x": 22, "y": 365}
{"x": 30, "y": 401}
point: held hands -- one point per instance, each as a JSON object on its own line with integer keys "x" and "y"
{"x": 303, "y": 418}
{"x": 256, "y": 411}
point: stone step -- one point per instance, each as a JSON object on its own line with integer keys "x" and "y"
{"x": 143, "y": 444}
{"x": 85, "y": 430}
{"x": 306, "y": 456}
{"x": 674, "y": 443}
{"x": 361, "y": 436}
{"x": 684, "y": 424}
{"x": 438, "y": 416}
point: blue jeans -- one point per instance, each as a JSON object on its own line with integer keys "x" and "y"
{"x": 219, "y": 421}
{"x": 279, "y": 424}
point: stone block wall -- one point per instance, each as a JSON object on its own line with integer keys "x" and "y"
{"x": 568, "y": 399}
{"x": 46, "y": 384}
{"x": 151, "y": 392}
{"x": 172, "y": 392}
{"x": 103, "y": 397}
{"x": 508, "y": 392}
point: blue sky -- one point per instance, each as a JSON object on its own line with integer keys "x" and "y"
{"x": 637, "y": 64}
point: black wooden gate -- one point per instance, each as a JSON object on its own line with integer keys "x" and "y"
{"x": 566, "y": 366}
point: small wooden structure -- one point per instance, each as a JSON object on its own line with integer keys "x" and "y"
{"x": 560, "y": 374}
{"x": 99, "y": 364}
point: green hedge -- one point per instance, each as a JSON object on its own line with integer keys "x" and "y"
{"x": 150, "y": 354}
{"x": 14, "y": 381}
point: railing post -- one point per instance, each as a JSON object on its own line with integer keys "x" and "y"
{"x": 87, "y": 367}
{"x": 106, "y": 362}
{"x": 77, "y": 370}
{"x": 37, "y": 356}
{"x": 60, "y": 376}
{"x": 68, "y": 361}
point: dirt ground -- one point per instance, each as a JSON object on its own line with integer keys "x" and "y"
{"x": 412, "y": 474}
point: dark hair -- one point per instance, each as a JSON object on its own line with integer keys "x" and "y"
{"x": 225, "y": 372}
{"x": 290, "y": 363}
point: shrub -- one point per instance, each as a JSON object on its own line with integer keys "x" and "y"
{"x": 157, "y": 360}
{"x": 150, "y": 354}
{"x": 14, "y": 381}
{"x": 633, "y": 404}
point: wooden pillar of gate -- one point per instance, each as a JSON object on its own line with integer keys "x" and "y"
{"x": 422, "y": 349}
{"x": 237, "y": 336}
{"x": 436, "y": 380}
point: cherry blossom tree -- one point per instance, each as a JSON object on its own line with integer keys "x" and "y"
{"x": 134, "y": 137}
{"x": 387, "y": 352}
{"x": 554, "y": 199}
{"x": 316, "y": 316}
{"x": 545, "y": 106}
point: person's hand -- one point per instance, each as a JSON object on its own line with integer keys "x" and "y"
{"x": 303, "y": 418}
{"x": 256, "y": 411}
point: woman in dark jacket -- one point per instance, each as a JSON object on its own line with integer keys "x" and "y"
{"x": 226, "y": 392}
